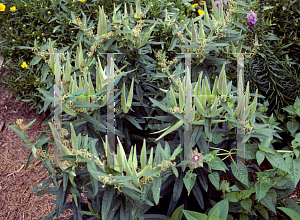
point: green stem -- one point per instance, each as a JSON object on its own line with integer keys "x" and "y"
{"x": 285, "y": 151}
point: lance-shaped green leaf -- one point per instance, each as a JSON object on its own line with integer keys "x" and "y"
{"x": 51, "y": 55}
{"x": 206, "y": 15}
{"x": 134, "y": 159}
{"x": 127, "y": 168}
{"x": 68, "y": 110}
{"x": 222, "y": 84}
{"x": 85, "y": 85}
{"x": 217, "y": 112}
{"x": 210, "y": 98}
{"x": 134, "y": 173}
{"x": 203, "y": 95}
{"x": 63, "y": 149}
{"x": 216, "y": 14}
{"x": 73, "y": 137}
{"x": 173, "y": 98}
{"x": 148, "y": 35}
{"x": 99, "y": 28}
{"x": 188, "y": 31}
{"x": 57, "y": 72}
{"x": 138, "y": 8}
{"x": 194, "y": 34}
{"x": 114, "y": 14}
{"x": 188, "y": 104}
{"x": 199, "y": 105}
{"x": 123, "y": 100}
{"x": 91, "y": 89}
{"x": 254, "y": 106}
{"x": 131, "y": 10}
{"x": 80, "y": 54}
{"x": 171, "y": 129}
{"x": 68, "y": 68}
{"x": 239, "y": 49}
{"x": 233, "y": 50}
{"x": 130, "y": 96}
{"x": 74, "y": 86}
{"x": 165, "y": 91}
{"x": 150, "y": 160}
{"x": 125, "y": 10}
{"x": 98, "y": 77}
{"x": 141, "y": 173}
{"x": 201, "y": 31}
{"x": 143, "y": 156}
{"x": 181, "y": 96}
{"x": 80, "y": 85}
{"x": 198, "y": 85}
{"x": 222, "y": 14}
{"x": 202, "y": 122}
{"x": 247, "y": 95}
{"x": 116, "y": 167}
{"x": 193, "y": 112}
{"x": 130, "y": 157}
{"x": 77, "y": 64}
{"x": 215, "y": 88}
{"x": 240, "y": 106}
{"x": 126, "y": 28}
{"x": 213, "y": 108}
{"x": 121, "y": 154}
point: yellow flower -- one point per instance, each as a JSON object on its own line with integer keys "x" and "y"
{"x": 212, "y": 9}
{"x": 37, "y": 80}
{"x": 19, "y": 121}
{"x": 195, "y": 5}
{"x": 201, "y": 12}
{"x": 135, "y": 15}
{"x": 186, "y": 4}
{"x": 79, "y": 21}
{"x": 13, "y": 8}
{"x": 202, "y": 2}
{"x": 82, "y": 0}
{"x": 151, "y": 6}
{"x": 24, "y": 65}
{"x": 2, "y": 7}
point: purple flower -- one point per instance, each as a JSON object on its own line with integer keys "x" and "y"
{"x": 224, "y": 3}
{"x": 195, "y": 159}
{"x": 252, "y": 18}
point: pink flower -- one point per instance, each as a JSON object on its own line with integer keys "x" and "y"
{"x": 217, "y": 3}
{"x": 252, "y": 18}
{"x": 195, "y": 159}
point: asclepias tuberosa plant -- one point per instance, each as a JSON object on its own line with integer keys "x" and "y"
{"x": 131, "y": 179}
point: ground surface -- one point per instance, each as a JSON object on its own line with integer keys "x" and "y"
{"x": 17, "y": 202}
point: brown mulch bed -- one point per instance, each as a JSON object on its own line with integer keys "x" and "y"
{"x": 16, "y": 199}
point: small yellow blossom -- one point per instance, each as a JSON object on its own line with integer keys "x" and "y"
{"x": 82, "y": 0}
{"x": 37, "y": 80}
{"x": 2, "y": 7}
{"x": 151, "y": 6}
{"x": 13, "y": 8}
{"x": 212, "y": 9}
{"x": 185, "y": 4}
{"x": 202, "y": 2}
{"x": 195, "y": 5}
{"x": 24, "y": 65}
{"x": 79, "y": 21}
{"x": 19, "y": 121}
{"x": 201, "y": 12}
{"x": 135, "y": 15}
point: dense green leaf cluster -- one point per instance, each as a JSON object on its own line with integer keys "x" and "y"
{"x": 150, "y": 77}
